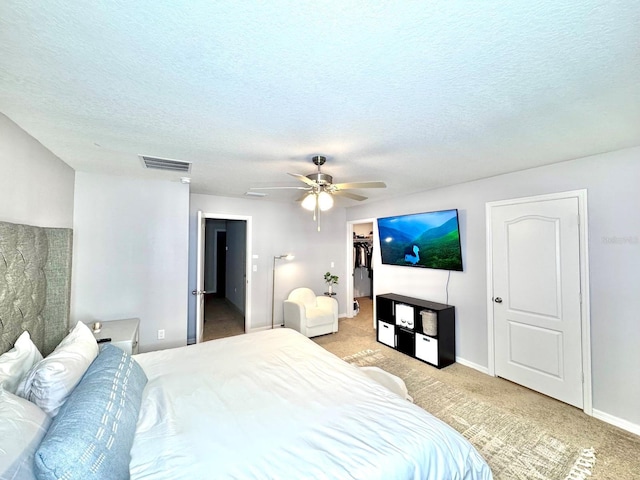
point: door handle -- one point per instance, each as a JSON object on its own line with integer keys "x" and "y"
{"x": 198, "y": 292}
{"x": 498, "y": 300}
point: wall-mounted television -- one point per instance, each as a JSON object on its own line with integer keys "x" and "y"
{"x": 427, "y": 240}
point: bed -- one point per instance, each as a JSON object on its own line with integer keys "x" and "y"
{"x": 270, "y": 404}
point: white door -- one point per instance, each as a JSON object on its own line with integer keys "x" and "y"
{"x": 536, "y": 293}
{"x": 199, "y": 291}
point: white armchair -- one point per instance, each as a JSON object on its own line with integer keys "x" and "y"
{"x": 310, "y": 315}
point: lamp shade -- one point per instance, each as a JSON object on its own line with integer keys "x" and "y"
{"x": 325, "y": 201}
{"x": 309, "y": 202}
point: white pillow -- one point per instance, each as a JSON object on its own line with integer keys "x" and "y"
{"x": 17, "y": 362}
{"x": 50, "y": 381}
{"x": 22, "y": 427}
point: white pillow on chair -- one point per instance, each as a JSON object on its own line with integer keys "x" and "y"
{"x": 15, "y": 363}
{"x": 50, "y": 381}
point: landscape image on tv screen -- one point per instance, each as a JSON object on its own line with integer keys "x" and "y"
{"x": 428, "y": 240}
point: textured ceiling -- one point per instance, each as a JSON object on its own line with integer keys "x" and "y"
{"x": 416, "y": 94}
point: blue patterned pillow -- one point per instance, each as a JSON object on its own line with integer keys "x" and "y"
{"x": 92, "y": 435}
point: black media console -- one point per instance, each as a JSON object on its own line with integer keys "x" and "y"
{"x": 419, "y": 328}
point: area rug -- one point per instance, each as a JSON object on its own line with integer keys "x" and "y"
{"x": 514, "y": 447}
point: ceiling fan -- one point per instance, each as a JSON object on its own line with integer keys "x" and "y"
{"x": 320, "y": 188}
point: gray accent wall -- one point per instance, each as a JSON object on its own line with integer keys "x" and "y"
{"x": 36, "y": 187}
{"x": 611, "y": 180}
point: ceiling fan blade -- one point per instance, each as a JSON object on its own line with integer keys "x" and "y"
{"x": 278, "y": 188}
{"x": 304, "y": 179}
{"x": 343, "y": 186}
{"x": 353, "y": 196}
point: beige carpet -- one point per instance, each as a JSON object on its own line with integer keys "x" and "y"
{"x": 221, "y": 319}
{"x": 514, "y": 447}
{"x": 617, "y": 451}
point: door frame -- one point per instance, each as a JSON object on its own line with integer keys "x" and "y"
{"x": 249, "y": 243}
{"x": 585, "y": 314}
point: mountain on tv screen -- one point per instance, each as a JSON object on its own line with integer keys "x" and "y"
{"x": 428, "y": 240}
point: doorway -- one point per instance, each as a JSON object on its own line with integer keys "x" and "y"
{"x": 223, "y": 274}
{"x": 538, "y": 317}
{"x": 360, "y": 244}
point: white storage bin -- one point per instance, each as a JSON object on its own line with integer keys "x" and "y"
{"x": 387, "y": 334}
{"x": 427, "y": 349}
{"x": 404, "y": 315}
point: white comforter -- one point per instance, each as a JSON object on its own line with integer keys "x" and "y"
{"x": 273, "y": 405}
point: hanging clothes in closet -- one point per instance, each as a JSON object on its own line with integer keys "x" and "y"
{"x": 362, "y": 255}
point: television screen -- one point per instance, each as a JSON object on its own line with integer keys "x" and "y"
{"x": 428, "y": 240}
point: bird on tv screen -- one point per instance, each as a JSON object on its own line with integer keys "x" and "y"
{"x": 428, "y": 240}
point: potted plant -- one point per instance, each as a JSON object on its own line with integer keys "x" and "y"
{"x": 330, "y": 280}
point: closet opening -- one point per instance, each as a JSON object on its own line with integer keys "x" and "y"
{"x": 360, "y": 290}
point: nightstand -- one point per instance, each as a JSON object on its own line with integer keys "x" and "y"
{"x": 123, "y": 333}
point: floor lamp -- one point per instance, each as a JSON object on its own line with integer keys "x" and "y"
{"x": 286, "y": 256}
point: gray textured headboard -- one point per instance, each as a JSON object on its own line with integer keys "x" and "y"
{"x": 35, "y": 284}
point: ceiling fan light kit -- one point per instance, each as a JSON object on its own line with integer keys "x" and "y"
{"x": 309, "y": 202}
{"x": 321, "y": 189}
{"x": 325, "y": 201}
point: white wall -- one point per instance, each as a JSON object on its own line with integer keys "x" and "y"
{"x": 614, "y": 253}
{"x": 131, "y": 255}
{"x": 36, "y": 187}
{"x": 278, "y": 228}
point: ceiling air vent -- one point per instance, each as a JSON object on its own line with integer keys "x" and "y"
{"x": 166, "y": 164}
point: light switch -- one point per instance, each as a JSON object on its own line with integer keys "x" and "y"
{"x": 255, "y": 268}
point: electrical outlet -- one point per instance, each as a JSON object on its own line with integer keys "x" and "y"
{"x": 161, "y": 334}
{"x": 333, "y": 264}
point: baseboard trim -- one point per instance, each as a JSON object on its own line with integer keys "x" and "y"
{"x": 617, "y": 422}
{"x": 600, "y": 415}
{"x": 260, "y": 329}
{"x": 475, "y": 366}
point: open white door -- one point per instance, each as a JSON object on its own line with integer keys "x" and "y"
{"x": 199, "y": 291}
